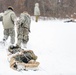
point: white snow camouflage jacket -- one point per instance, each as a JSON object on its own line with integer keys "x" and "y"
{"x": 36, "y": 9}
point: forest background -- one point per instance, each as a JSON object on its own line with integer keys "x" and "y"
{"x": 48, "y": 8}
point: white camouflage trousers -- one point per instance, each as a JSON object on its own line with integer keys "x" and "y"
{"x": 22, "y": 36}
{"x": 9, "y": 32}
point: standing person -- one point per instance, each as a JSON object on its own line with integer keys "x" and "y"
{"x": 36, "y": 11}
{"x": 23, "y": 29}
{"x": 9, "y": 17}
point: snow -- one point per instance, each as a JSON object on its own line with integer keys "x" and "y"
{"x": 54, "y": 42}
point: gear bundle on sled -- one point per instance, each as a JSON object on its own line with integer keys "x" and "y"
{"x": 21, "y": 59}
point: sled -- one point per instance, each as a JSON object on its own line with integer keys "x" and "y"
{"x": 21, "y": 59}
{"x": 69, "y": 21}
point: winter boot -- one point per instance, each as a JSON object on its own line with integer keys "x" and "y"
{"x": 3, "y": 42}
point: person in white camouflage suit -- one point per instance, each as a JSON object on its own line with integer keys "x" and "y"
{"x": 9, "y": 17}
{"x": 23, "y": 29}
{"x": 36, "y": 11}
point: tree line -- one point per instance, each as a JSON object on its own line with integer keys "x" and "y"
{"x": 48, "y": 8}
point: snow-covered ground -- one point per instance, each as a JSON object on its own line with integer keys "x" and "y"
{"x": 54, "y": 42}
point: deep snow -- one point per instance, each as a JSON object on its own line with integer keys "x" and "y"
{"x": 54, "y": 42}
